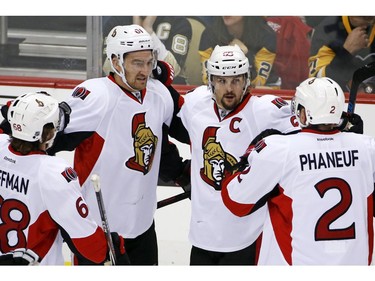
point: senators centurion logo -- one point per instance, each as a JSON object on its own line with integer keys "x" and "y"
{"x": 144, "y": 145}
{"x": 215, "y": 159}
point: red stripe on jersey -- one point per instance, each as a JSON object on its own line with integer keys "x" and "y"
{"x": 370, "y": 225}
{"x": 244, "y": 102}
{"x": 239, "y": 209}
{"x": 281, "y": 214}
{"x": 42, "y": 234}
{"x": 258, "y": 243}
{"x": 86, "y": 155}
{"x": 93, "y": 247}
{"x": 181, "y": 101}
{"x": 127, "y": 92}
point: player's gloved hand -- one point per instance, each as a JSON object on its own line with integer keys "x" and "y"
{"x": 65, "y": 111}
{"x": 351, "y": 123}
{"x": 243, "y": 163}
{"x": 164, "y": 72}
{"x": 184, "y": 179}
{"x": 4, "y": 125}
{"x": 122, "y": 257}
{"x": 20, "y": 256}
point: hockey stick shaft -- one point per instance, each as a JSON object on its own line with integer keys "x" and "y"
{"x": 103, "y": 215}
{"x": 173, "y": 199}
{"x": 359, "y": 76}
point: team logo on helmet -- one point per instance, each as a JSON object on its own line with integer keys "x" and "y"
{"x": 114, "y": 33}
{"x": 39, "y": 102}
{"x": 144, "y": 143}
{"x": 228, "y": 54}
{"x": 215, "y": 159}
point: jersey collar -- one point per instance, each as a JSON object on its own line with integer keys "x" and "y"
{"x": 316, "y": 131}
{"x": 242, "y": 104}
{"x": 137, "y": 96}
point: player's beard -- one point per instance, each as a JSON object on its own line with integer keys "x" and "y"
{"x": 230, "y": 105}
{"x": 139, "y": 83}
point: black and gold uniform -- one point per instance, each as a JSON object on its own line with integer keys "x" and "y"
{"x": 329, "y": 58}
{"x": 180, "y": 36}
{"x": 258, "y": 42}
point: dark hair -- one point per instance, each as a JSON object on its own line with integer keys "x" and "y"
{"x": 25, "y": 147}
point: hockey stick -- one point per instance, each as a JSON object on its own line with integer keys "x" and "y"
{"x": 173, "y": 199}
{"x": 98, "y": 192}
{"x": 359, "y": 76}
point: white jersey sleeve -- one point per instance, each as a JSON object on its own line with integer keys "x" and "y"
{"x": 273, "y": 112}
{"x": 89, "y": 102}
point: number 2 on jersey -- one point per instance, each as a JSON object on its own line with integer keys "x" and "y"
{"x": 322, "y": 227}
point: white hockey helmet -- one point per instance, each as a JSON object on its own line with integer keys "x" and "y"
{"x": 29, "y": 113}
{"x": 126, "y": 39}
{"x": 323, "y": 100}
{"x": 228, "y": 61}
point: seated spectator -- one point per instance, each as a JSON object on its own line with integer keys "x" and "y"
{"x": 256, "y": 39}
{"x": 292, "y": 52}
{"x": 340, "y": 45}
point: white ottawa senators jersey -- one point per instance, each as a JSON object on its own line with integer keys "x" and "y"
{"x": 39, "y": 196}
{"x": 319, "y": 188}
{"x": 215, "y": 143}
{"x": 124, "y": 149}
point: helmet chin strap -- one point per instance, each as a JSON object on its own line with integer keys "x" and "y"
{"x": 122, "y": 75}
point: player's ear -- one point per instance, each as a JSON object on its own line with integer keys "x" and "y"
{"x": 116, "y": 62}
{"x": 302, "y": 116}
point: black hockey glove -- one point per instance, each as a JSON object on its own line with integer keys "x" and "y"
{"x": 265, "y": 133}
{"x": 122, "y": 257}
{"x": 4, "y": 125}
{"x": 20, "y": 256}
{"x": 351, "y": 123}
{"x": 65, "y": 111}
{"x": 164, "y": 72}
{"x": 243, "y": 163}
{"x": 184, "y": 179}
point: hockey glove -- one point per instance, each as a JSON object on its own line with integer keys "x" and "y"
{"x": 65, "y": 111}
{"x": 164, "y": 72}
{"x": 184, "y": 179}
{"x": 20, "y": 256}
{"x": 122, "y": 257}
{"x": 4, "y": 125}
{"x": 351, "y": 123}
{"x": 243, "y": 163}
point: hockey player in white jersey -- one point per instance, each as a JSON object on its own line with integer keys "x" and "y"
{"x": 40, "y": 198}
{"x": 117, "y": 127}
{"x": 318, "y": 185}
{"x": 221, "y": 119}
